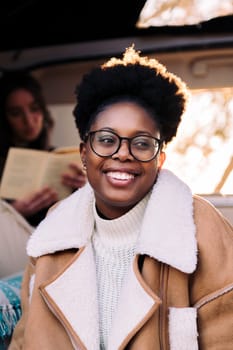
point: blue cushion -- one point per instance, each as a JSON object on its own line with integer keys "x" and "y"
{"x": 10, "y": 306}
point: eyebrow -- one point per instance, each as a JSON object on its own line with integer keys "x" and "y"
{"x": 137, "y": 132}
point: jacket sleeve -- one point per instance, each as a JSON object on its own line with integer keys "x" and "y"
{"x": 212, "y": 284}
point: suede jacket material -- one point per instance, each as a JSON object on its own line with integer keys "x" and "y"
{"x": 178, "y": 294}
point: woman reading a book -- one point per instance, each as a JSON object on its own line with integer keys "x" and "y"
{"x": 133, "y": 260}
{"x": 25, "y": 121}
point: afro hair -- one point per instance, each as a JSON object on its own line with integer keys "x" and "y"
{"x": 137, "y": 78}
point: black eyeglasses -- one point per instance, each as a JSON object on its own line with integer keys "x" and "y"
{"x": 105, "y": 143}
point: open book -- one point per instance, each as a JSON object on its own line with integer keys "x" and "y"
{"x": 29, "y": 170}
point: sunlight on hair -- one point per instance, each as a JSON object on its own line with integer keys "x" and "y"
{"x": 131, "y": 56}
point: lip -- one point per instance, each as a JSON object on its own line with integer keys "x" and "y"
{"x": 30, "y": 131}
{"x": 125, "y": 170}
{"x": 121, "y": 177}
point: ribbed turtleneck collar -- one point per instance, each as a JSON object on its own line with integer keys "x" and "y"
{"x": 124, "y": 230}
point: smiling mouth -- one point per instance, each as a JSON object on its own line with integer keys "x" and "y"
{"x": 120, "y": 175}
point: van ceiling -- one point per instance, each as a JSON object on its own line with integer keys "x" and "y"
{"x": 36, "y": 23}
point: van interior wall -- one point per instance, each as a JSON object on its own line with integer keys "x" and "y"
{"x": 200, "y": 69}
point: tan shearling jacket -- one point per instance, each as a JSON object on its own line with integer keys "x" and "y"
{"x": 178, "y": 294}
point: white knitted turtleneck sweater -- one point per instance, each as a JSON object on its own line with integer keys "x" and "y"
{"x": 114, "y": 247}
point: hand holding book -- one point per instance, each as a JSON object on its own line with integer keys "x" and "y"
{"x": 35, "y": 202}
{"x": 74, "y": 176}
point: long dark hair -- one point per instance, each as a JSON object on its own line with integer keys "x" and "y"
{"x": 9, "y": 82}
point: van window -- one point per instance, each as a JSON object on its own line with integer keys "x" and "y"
{"x": 202, "y": 152}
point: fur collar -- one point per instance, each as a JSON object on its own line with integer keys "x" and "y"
{"x": 168, "y": 229}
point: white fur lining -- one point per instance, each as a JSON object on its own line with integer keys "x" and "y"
{"x": 69, "y": 225}
{"x": 183, "y": 328}
{"x": 168, "y": 230}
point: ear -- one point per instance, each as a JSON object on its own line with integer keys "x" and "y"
{"x": 161, "y": 159}
{"x": 82, "y": 149}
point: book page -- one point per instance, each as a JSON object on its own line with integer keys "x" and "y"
{"x": 57, "y": 163}
{"x": 22, "y": 172}
{"x": 66, "y": 149}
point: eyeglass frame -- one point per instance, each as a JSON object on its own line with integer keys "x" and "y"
{"x": 120, "y": 138}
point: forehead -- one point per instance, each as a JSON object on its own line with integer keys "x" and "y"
{"x": 123, "y": 116}
{"x": 19, "y": 97}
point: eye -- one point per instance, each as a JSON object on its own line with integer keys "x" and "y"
{"x": 106, "y": 139}
{"x": 35, "y": 108}
{"x": 142, "y": 143}
{"x": 14, "y": 112}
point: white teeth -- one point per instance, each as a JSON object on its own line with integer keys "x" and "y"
{"x": 120, "y": 176}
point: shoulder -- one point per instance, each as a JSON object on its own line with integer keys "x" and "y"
{"x": 210, "y": 223}
{"x": 205, "y": 209}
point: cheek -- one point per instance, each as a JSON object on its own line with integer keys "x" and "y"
{"x": 93, "y": 162}
{"x": 15, "y": 123}
{"x": 151, "y": 172}
{"x": 38, "y": 120}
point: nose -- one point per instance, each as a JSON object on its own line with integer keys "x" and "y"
{"x": 27, "y": 118}
{"x": 123, "y": 152}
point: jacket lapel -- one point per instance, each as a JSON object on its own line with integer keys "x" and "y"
{"x": 138, "y": 302}
{"x": 75, "y": 303}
